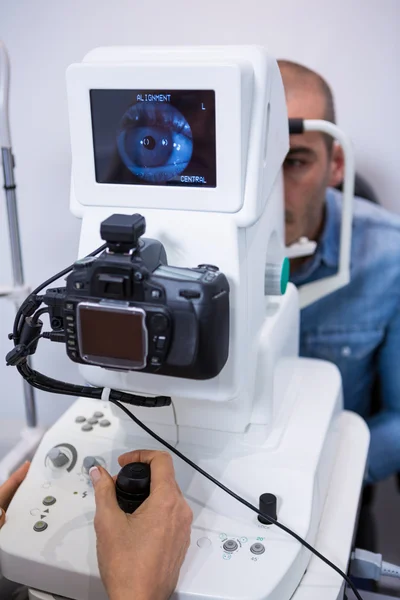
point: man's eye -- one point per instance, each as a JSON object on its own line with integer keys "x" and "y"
{"x": 294, "y": 163}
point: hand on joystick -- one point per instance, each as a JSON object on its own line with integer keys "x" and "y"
{"x": 133, "y": 486}
{"x": 140, "y": 554}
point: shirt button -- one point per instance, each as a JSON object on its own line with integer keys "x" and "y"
{"x": 346, "y": 351}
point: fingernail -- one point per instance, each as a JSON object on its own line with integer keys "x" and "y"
{"x": 1, "y": 512}
{"x": 95, "y": 474}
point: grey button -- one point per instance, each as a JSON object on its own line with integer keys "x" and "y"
{"x": 49, "y": 500}
{"x": 58, "y": 457}
{"x": 35, "y": 512}
{"x": 104, "y": 423}
{"x": 80, "y": 419}
{"x": 40, "y": 526}
{"x": 69, "y": 306}
{"x": 257, "y": 548}
{"x": 86, "y": 427}
{"x": 230, "y": 546}
{"x": 92, "y": 421}
{"x": 89, "y": 462}
{"x": 98, "y": 415}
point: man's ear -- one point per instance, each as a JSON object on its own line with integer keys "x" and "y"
{"x": 336, "y": 166}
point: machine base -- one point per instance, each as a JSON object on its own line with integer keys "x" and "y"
{"x": 296, "y": 466}
{"x": 338, "y": 521}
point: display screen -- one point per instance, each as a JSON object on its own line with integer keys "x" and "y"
{"x": 154, "y": 137}
{"x": 111, "y": 334}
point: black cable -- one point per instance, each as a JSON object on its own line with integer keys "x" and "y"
{"x": 36, "y": 339}
{"x": 237, "y": 497}
{"x": 39, "y": 313}
{"x": 65, "y": 271}
{"x": 47, "y": 384}
{"x": 20, "y": 312}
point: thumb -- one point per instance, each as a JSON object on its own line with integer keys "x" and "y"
{"x": 105, "y": 497}
{"x": 2, "y": 517}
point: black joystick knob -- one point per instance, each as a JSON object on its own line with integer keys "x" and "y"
{"x": 133, "y": 486}
{"x": 268, "y": 503}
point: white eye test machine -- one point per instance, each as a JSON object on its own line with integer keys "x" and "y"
{"x": 186, "y": 317}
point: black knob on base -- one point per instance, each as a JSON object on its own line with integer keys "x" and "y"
{"x": 133, "y": 486}
{"x": 268, "y": 503}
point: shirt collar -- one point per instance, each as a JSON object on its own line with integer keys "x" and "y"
{"x": 330, "y": 238}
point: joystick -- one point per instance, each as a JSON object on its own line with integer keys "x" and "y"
{"x": 133, "y": 486}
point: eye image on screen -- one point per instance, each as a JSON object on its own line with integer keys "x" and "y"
{"x": 153, "y": 137}
{"x": 155, "y": 142}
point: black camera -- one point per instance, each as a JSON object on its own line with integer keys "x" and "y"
{"x": 128, "y": 310}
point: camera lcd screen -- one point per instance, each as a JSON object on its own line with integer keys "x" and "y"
{"x": 154, "y": 137}
{"x": 112, "y": 336}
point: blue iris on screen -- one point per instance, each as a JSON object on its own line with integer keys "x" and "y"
{"x": 155, "y": 141}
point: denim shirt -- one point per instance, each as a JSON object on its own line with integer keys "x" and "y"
{"x": 358, "y": 326}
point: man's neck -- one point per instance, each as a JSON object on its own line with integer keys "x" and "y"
{"x": 297, "y": 263}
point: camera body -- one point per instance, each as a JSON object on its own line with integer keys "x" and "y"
{"x": 128, "y": 310}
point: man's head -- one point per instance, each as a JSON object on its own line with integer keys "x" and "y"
{"x": 313, "y": 162}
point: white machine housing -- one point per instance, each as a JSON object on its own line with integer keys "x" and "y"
{"x": 270, "y": 422}
{"x": 238, "y": 225}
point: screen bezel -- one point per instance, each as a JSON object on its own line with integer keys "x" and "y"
{"x": 224, "y": 80}
{"x": 103, "y": 361}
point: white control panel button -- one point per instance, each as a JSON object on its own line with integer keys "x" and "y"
{"x": 204, "y": 542}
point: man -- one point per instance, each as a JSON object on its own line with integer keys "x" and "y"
{"x": 357, "y": 327}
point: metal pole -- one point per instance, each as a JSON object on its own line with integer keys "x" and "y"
{"x": 13, "y": 225}
{"x": 12, "y": 212}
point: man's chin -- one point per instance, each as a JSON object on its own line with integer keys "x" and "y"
{"x": 291, "y": 237}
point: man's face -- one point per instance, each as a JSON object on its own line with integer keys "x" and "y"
{"x": 309, "y": 169}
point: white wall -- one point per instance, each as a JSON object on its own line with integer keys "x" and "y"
{"x": 354, "y": 43}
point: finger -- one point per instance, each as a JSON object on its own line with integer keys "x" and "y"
{"x": 8, "y": 489}
{"x": 161, "y": 465}
{"x": 2, "y": 517}
{"x": 105, "y": 496}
